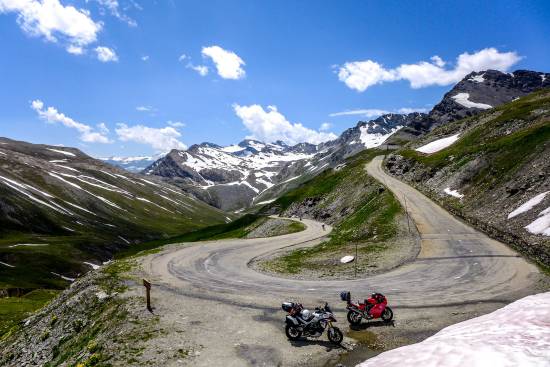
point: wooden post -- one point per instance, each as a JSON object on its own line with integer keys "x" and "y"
{"x": 147, "y": 286}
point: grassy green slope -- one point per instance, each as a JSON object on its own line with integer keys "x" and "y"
{"x": 361, "y": 210}
{"x": 111, "y": 210}
{"x": 507, "y": 152}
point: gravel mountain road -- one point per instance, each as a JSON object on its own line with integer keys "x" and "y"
{"x": 233, "y": 314}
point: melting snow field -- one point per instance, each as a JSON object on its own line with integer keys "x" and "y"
{"x": 62, "y": 152}
{"x": 463, "y": 99}
{"x": 94, "y": 266}
{"x": 530, "y": 204}
{"x": 29, "y": 245}
{"x": 478, "y": 78}
{"x": 541, "y": 225}
{"x": 63, "y": 277}
{"x": 515, "y": 335}
{"x": 454, "y": 193}
{"x": 374, "y": 140}
{"x": 266, "y": 202}
{"x": 437, "y": 145}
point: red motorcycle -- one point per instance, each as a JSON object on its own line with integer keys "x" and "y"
{"x": 373, "y": 308}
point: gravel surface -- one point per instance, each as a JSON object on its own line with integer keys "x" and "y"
{"x": 234, "y": 313}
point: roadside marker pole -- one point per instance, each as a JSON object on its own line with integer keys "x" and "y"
{"x": 147, "y": 286}
{"x": 355, "y": 276}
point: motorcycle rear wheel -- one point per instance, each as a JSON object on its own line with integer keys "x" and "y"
{"x": 292, "y": 332}
{"x": 354, "y": 318}
{"x": 387, "y": 315}
{"x": 335, "y": 335}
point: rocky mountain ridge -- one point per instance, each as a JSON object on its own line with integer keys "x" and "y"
{"x": 476, "y": 92}
{"x": 251, "y": 172}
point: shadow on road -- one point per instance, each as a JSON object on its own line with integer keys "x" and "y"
{"x": 368, "y": 325}
{"x": 323, "y": 343}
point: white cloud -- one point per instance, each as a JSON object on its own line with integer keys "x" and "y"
{"x": 271, "y": 125}
{"x": 228, "y": 63}
{"x": 407, "y": 110}
{"x": 436, "y": 60}
{"x": 145, "y": 58}
{"x": 55, "y": 22}
{"x": 75, "y": 50}
{"x": 113, "y": 7}
{"x": 176, "y": 123}
{"x": 375, "y": 112}
{"x": 182, "y": 57}
{"x": 146, "y": 108}
{"x": 368, "y": 112}
{"x": 325, "y": 126}
{"x": 360, "y": 75}
{"x": 201, "y": 69}
{"x": 161, "y": 139}
{"x": 105, "y": 54}
{"x": 87, "y": 133}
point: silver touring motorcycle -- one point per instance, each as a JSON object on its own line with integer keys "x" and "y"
{"x": 301, "y": 322}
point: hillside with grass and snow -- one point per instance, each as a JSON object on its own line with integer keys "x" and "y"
{"x": 63, "y": 213}
{"x": 491, "y": 169}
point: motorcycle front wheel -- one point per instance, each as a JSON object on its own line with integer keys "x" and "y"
{"x": 387, "y": 315}
{"x": 335, "y": 335}
{"x": 292, "y": 332}
{"x": 354, "y": 318}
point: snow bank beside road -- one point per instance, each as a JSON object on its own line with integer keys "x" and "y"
{"x": 515, "y": 335}
{"x": 541, "y": 225}
{"x": 437, "y": 145}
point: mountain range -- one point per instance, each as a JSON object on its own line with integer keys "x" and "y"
{"x": 236, "y": 177}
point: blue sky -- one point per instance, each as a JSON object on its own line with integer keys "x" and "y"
{"x": 114, "y": 80}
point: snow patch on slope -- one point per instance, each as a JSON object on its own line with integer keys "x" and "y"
{"x": 541, "y": 225}
{"x": 478, "y": 78}
{"x": 437, "y": 145}
{"x": 62, "y": 152}
{"x": 454, "y": 193}
{"x": 374, "y": 140}
{"x": 500, "y": 338}
{"x": 463, "y": 99}
{"x": 530, "y": 204}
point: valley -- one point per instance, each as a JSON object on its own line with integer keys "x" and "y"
{"x": 458, "y": 274}
{"x": 241, "y": 228}
{"x": 274, "y": 183}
